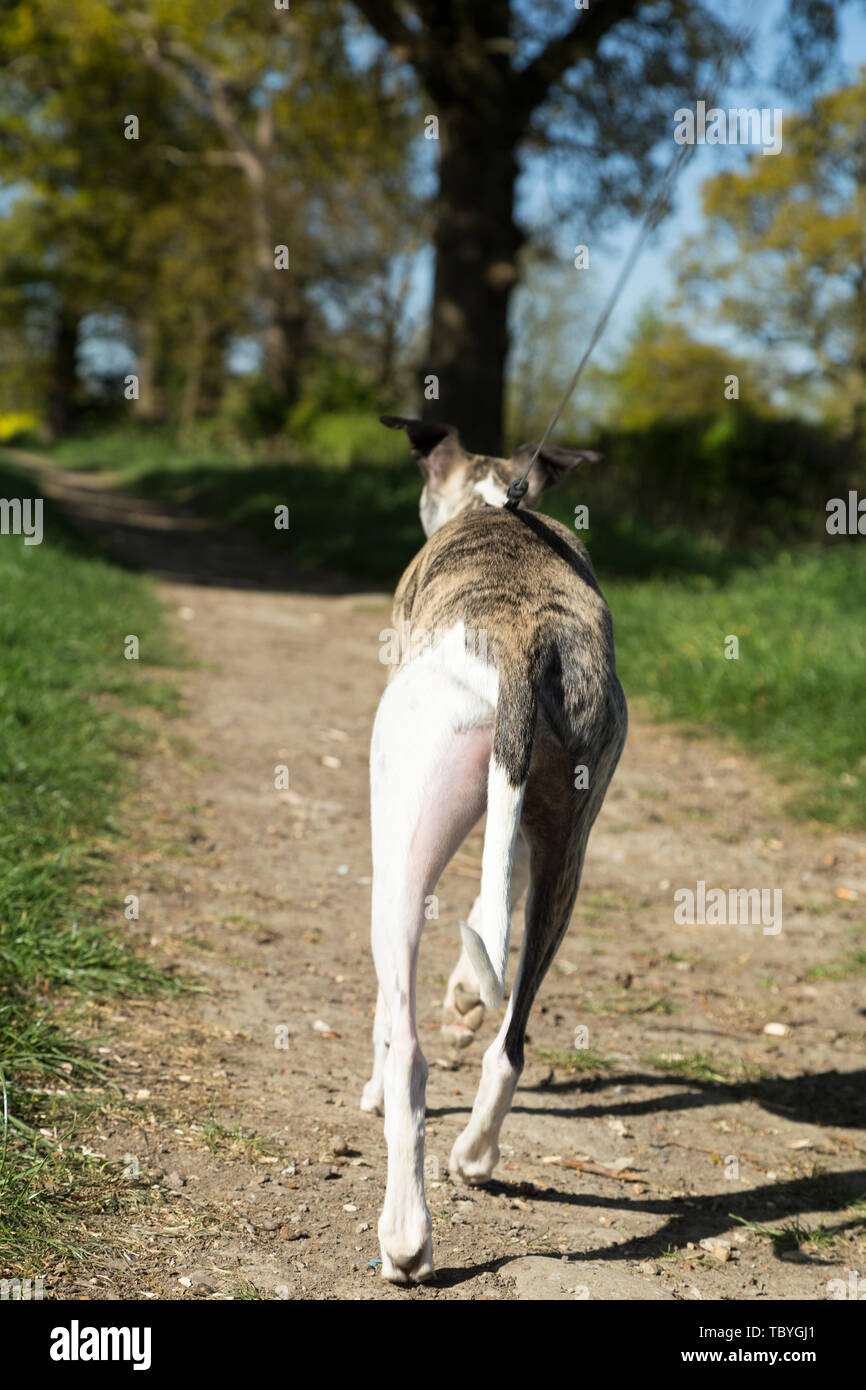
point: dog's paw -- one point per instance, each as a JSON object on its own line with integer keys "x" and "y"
{"x": 372, "y": 1099}
{"x": 462, "y": 1016}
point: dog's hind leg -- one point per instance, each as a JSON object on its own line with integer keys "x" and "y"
{"x": 373, "y": 1098}
{"x": 429, "y": 764}
{"x": 556, "y": 826}
{"x": 462, "y": 1009}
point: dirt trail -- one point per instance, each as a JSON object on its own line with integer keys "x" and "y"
{"x": 235, "y": 1096}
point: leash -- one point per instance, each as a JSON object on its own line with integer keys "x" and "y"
{"x": 654, "y": 214}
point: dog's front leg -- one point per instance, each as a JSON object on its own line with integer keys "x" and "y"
{"x": 428, "y": 785}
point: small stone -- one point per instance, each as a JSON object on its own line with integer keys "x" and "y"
{"x": 175, "y": 1182}
{"x": 324, "y": 1171}
{"x": 339, "y": 1146}
{"x": 361, "y": 1227}
{"x": 776, "y": 1030}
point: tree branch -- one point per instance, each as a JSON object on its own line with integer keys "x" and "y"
{"x": 582, "y": 40}
{"x": 384, "y": 17}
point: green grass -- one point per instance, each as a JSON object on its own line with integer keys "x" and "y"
{"x": 793, "y": 1235}
{"x": 68, "y": 743}
{"x": 852, "y": 963}
{"x": 796, "y": 694}
{"x": 703, "y": 1067}
{"x": 580, "y": 1059}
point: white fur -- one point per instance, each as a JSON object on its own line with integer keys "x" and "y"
{"x": 488, "y": 948}
{"x": 491, "y": 489}
{"x": 429, "y": 760}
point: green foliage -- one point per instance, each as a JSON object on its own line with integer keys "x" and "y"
{"x": 781, "y": 257}
{"x": 735, "y": 477}
{"x": 667, "y": 375}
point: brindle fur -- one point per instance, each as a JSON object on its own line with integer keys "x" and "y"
{"x": 528, "y": 583}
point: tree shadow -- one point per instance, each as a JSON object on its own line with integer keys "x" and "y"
{"x": 216, "y": 527}
{"x": 816, "y": 1098}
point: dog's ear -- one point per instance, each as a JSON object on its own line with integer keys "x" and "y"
{"x": 435, "y": 446}
{"x": 551, "y": 465}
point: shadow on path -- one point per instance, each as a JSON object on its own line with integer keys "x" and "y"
{"x": 167, "y": 540}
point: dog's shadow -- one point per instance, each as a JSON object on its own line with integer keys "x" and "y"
{"x": 828, "y": 1098}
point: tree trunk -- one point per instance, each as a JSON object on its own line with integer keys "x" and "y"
{"x": 63, "y": 385}
{"x": 195, "y": 358}
{"x": 476, "y": 245}
{"x": 148, "y": 405}
{"x": 284, "y": 341}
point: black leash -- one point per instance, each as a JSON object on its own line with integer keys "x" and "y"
{"x": 652, "y": 217}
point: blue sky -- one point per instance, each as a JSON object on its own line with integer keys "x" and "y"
{"x": 652, "y": 281}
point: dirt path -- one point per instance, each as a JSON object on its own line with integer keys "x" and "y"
{"x": 259, "y": 1175}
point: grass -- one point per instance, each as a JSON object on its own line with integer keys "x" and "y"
{"x": 793, "y": 1235}
{"x": 219, "y": 1139}
{"x": 581, "y": 1059}
{"x": 851, "y": 964}
{"x": 702, "y": 1067}
{"x": 795, "y": 694}
{"x": 68, "y": 742}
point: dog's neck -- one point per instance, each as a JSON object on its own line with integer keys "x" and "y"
{"x": 477, "y": 482}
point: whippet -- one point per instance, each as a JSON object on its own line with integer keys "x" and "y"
{"x": 532, "y": 729}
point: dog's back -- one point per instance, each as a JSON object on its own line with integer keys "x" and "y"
{"x": 527, "y": 583}
{"x": 525, "y": 586}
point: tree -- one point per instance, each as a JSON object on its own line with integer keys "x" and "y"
{"x": 783, "y": 257}
{"x": 261, "y": 132}
{"x": 507, "y": 81}
{"x": 296, "y": 116}
{"x": 665, "y": 374}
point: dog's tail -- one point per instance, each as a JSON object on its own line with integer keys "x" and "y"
{"x": 513, "y": 732}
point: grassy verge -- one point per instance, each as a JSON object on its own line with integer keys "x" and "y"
{"x": 68, "y": 742}
{"x": 796, "y": 693}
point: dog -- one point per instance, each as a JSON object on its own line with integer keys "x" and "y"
{"x": 531, "y": 729}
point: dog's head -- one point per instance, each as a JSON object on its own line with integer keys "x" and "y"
{"x": 456, "y": 481}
